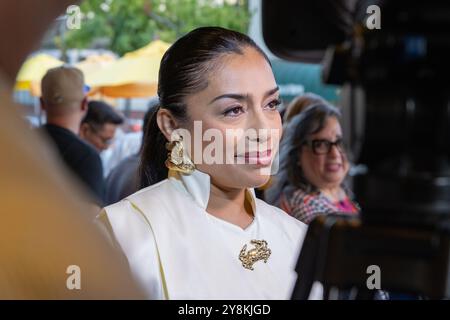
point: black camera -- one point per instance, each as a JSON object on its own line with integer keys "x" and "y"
{"x": 393, "y": 58}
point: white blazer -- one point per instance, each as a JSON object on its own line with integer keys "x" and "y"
{"x": 176, "y": 250}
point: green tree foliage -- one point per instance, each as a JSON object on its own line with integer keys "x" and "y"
{"x": 126, "y": 25}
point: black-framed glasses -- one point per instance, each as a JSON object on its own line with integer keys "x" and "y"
{"x": 323, "y": 146}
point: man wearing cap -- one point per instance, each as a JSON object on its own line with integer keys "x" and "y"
{"x": 64, "y": 101}
{"x": 99, "y": 125}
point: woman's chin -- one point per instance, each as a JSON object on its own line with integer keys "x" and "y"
{"x": 335, "y": 179}
{"x": 255, "y": 178}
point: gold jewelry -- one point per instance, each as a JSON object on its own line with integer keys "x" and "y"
{"x": 177, "y": 159}
{"x": 260, "y": 252}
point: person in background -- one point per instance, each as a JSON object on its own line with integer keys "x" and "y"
{"x": 313, "y": 166}
{"x": 99, "y": 125}
{"x": 125, "y": 144}
{"x": 102, "y": 128}
{"x": 300, "y": 103}
{"x": 65, "y": 104}
{"x": 123, "y": 180}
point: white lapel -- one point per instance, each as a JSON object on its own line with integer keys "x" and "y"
{"x": 192, "y": 267}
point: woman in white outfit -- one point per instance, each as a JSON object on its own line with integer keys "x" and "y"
{"x": 199, "y": 232}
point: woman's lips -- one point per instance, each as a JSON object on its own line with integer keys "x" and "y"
{"x": 333, "y": 167}
{"x": 257, "y": 157}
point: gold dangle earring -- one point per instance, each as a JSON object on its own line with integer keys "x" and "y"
{"x": 177, "y": 158}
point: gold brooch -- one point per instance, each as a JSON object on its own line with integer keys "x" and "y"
{"x": 260, "y": 252}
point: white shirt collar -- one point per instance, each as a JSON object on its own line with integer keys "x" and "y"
{"x": 198, "y": 186}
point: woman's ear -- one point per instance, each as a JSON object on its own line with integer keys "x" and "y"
{"x": 166, "y": 122}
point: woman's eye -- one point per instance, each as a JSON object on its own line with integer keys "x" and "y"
{"x": 274, "y": 104}
{"x": 233, "y": 112}
{"x": 320, "y": 143}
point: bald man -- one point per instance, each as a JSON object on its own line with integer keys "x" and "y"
{"x": 65, "y": 104}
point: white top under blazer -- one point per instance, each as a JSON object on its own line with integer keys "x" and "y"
{"x": 177, "y": 250}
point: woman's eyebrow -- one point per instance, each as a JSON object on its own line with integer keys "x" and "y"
{"x": 271, "y": 92}
{"x": 241, "y": 97}
{"x": 235, "y": 96}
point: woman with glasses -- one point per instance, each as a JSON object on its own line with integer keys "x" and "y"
{"x": 313, "y": 166}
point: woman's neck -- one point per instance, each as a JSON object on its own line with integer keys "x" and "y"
{"x": 230, "y": 205}
{"x": 334, "y": 193}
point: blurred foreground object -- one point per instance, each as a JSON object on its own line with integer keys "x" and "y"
{"x": 46, "y": 228}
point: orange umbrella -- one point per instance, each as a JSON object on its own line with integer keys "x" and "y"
{"x": 132, "y": 76}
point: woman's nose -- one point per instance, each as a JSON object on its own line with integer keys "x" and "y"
{"x": 261, "y": 136}
{"x": 259, "y": 121}
{"x": 262, "y": 122}
{"x": 334, "y": 152}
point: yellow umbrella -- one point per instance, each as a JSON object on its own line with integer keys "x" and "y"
{"x": 128, "y": 91}
{"x": 134, "y": 75}
{"x": 34, "y": 69}
{"x": 88, "y": 66}
{"x": 93, "y": 64}
{"x": 156, "y": 47}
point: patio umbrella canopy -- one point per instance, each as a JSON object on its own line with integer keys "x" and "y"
{"x": 34, "y": 69}
{"x": 156, "y": 47}
{"x": 93, "y": 64}
{"x": 132, "y": 76}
